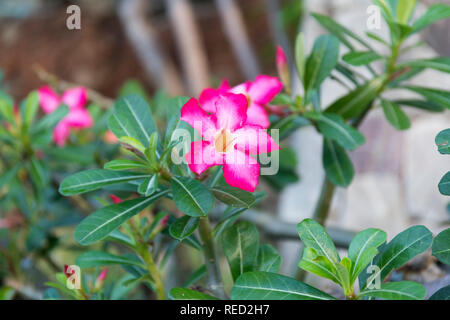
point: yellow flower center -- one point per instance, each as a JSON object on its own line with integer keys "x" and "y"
{"x": 224, "y": 141}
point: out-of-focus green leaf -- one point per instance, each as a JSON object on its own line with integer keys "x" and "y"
{"x": 360, "y": 58}
{"x": 441, "y": 246}
{"x": 395, "y": 115}
{"x": 443, "y": 141}
{"x": 337, "y": 164}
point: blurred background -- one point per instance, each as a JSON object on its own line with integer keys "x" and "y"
{"x": 183, "y": 46}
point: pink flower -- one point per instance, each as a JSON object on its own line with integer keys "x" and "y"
{"x": 228, "y": 139}
{"x": 283, "y": 67}
{"x": 115, "y": 199}
{"x": 78, "y": 116}
{"x": 258, "y": 93}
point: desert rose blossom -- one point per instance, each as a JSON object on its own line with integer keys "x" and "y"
{"x": 78, "y": 116}
{"x": 258, "y": 93}
{"x": 283, "y": 68}
{"x": 229, "y": 140}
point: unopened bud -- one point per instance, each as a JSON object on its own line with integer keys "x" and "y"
{"x": 101, "y": 278}
{"x": 283, "y": 68}
{"x": 115, "y": 199}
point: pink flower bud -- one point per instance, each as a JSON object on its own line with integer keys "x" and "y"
{"x": 164, "y": 221}
{"x": 102, "y": 275}
{"x": 115, "y": 199}
{"x": 283, "y": 67}
{"x": 109, "y": 137}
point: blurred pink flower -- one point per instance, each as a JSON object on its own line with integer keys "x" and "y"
{"x": 258, "y": 93}
{"x": 283, "y": 67}
{"x": 228, "y": 139}
{"x": 115, "y": 199}
{"x": 78, "y": 116}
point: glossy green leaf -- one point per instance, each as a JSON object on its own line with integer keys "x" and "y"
{"x": 338, "y": 166}
{"x": 313, "y": 235}
{"x": 191, "y": 197}
{"x": 360, "y": 58}
{"x": 132, "y": 118}
{"x": 94, "y": 179}
{"x": 102, "y": 222}
{"x": 260, "y": 285}
{"x": 93, "y": 259}
{"x": 125, "y": 164}
{"x": 443, "y": 141}
{"x": 334, "y": 127}
{"x": 183, "y": 227}
{"x": 148, "y": 186}
{"x": 321, "y": 61}
{"x": 440, "y": 63}
{"x": 441, "y": 97}
{"x": 318, "y": 264}
{"x": 395, "y": 115}
{"x": 441, "y": 294}
{"x": 240, "y": 244}
{"x": 233, "y": 196}
{"x": 402, "y": 290}
{"x": 405, "y": 246}
{"x": 444, "y": 184}
{"x": 357, "y": 101}
{"x": 441, "y": 246}
{"x": 189, "y": 294}
{"x": 268, "y": 259}
{"x": 434, "y": 13}
{"x": 362, "y": 249}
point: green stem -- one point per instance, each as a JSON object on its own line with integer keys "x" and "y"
{"x": 323, "y": 205}
{"x": 154, "y": 272}
{"x": 212, "y": 267}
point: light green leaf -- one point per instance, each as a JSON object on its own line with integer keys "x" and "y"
{"x": 173, "y": 109}
{"x": 240, "y": 244}
{"x": 441, "y": 97}
{"x": 318, "y": 264}
{"x": 441, "y": 246}
{"x": 402, "y": 290}
{"x": 321, "y": 61}
{"x": 405, "y": 9}
{"x": 334, "y": 127}
{"x": 183, "y": 227}
{"x": 300, "y": 56}
{"x": 31, "y": 107}
{"x": 444, "y": 184}
{"x": 132, "y": 143}
{"x": 260, "y": 285}
{"x": 94, "y": 179}
{"x": 315, "y": 236}
{"x": 102, "y": 222}
{"x": 441, "y": 63}
{"x": 434, "y": 13}
{"x": 191, "y": 197}
{"x": 148, "y": 186}
{"x": 188, "y": 294}
{"x": 132, "y": 118}
{"x": 125, "y": 164}
{"x": 360, "y": 58}
{"x": 6, "y": 109}
{"x": 443, "y": 141}
{"x": 93, "y": 259}
{"x": 268, "y": 259}
{"x": 395, "y": 115}
{"x": 233, "y": 196}
{"x": 338, "y": 166}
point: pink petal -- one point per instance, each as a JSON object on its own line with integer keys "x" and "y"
{"x": 224, "y": 85}
{"x": 75, "y": 98}
{"x": 240, "y": 170}
{"x": 202, "y": 155}
{"x": 61, "y": 133}
{"x": 207, "y": 99}
{"x": 115, "y": 199}
{"x": 281, "y": 57}
{"x": 204, "y": 123}
{"x": 231, "y": 111}
{"x": 257, "y": 115}
{"x": 48, "y": 99}
{"x": 241, "y": 88}
{"x": 78, "y": 118}
{"x": 264, "y": 89}
{"x": 254, "y": 140}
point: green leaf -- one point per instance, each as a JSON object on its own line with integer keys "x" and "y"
{"x": 125, "y": 164}
{"x": 260, "y": 285}
{"x": 148, "y": 186}
{"x": 338, "y": 166}
{"x": 47, "y": 122}
{"x": 94, "y": 179}
{"x": 321, "y": 61}
{"x": 92, "y": 259}
{"x": 441, "y": 246}
{"x": 362, "y": 249}
{"x": 300, "y": 56}
{"x": 130, "y": 143}
{"x": 441, "y": 97}
{"x": 188, "y": 294}
{"x": 240, "y": 244}
{"x": 360, "y": 58}
{"x": 102, "y": 222}
{"x": 268, "y": 259}
{"x": 191, "y": 197}
{"x": 441, "y": 63}
{"x": 443, "y": 141}
{"x": 395, "y": 115}
{"x": 118, "y": 236}
{"x": 6, "y": 293}
{"x": 6, "y": 109}
{"x": 441, "y": 294}
{"x": 334, "y": 127}
{"x": 152, "y": 150}
{"x": 405, "y": 9}
{"x": 318, "y": 264}
{"x": 233, "y": 196}
{"x": 402, "y": 290}
{"x": 173, "y": 109}
{"x": 357, "y": 101}
{"x": 183, "y": 227}
{"x": 405, "y": 246}
{"x": 132, "y": 118}
{"x": 313, "y": 235}
{"x": 421, "y": 104}
{"x": 444, "y": 184}
{"x": 31, "y": 107}
{"x": 434, "y": 13}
